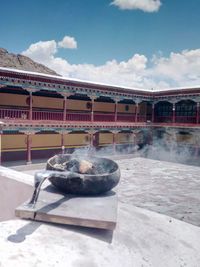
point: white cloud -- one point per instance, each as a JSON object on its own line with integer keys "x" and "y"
{"x": 144, "y": 5}
{"x": 179, "y": 69}
{"x": 41, "y": 51}
{"x": 68, "y": 42}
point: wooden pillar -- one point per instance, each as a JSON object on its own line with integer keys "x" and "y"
{"x": 92, "y": 110}
{"x": 134, "y": 139}
{"x": 62, "y": 135}
{"x": 91, "y": 139}
{"x": 145, "y": 114}
{"x": 114, "y": 141}
{"x": 64, "y": 107}
{"x": 91, "y": 147}
{"x": 116, "y": 102}
{"x": 153, "y": 113}
{"x": 174, "y": 113}
{"x": 197, "y": 114}
{"x": 28, "y": 143}
{"x": 92, "y": 107}
{"x": 136, "y": 112}
{"x": 31, "y": 105}
{"x": 0, "y": 146}
{"x": 62, "y": 143}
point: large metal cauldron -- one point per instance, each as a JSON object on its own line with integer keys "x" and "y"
{"x": 83, "y": 184}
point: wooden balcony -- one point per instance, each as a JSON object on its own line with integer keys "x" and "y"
{"x": 126, "y": 117}
{"x": 7, "y": 114}
{"x": 56, "y": 117}
{"x": 104, "y": 117}
{"x": 78, "y": 117}
{"x": 44, "y": 115}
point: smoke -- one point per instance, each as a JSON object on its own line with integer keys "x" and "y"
{"x": 104, "y": 151}
{"x": 165, "y": 148}
{"x": 169, "y": 149}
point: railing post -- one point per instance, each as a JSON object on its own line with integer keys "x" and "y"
{"x": 197, "y": 114}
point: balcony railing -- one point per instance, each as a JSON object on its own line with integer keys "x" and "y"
{"x": 142, "y": 118}
{"x": 23, "y": 114}
{"x": 126, "y": 117}
{"x": 14, "y": 114}
{"x": 104, "y": 117}
{"x": 47, "y": 115}
{"x": 78, "y": 116}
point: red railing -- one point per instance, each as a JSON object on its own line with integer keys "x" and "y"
{"x": 104, "y": 117}
{"x": 184, "y": 119}
{"x": 126, "y": 117}
{"x": 47, "y": 115}
{"x": 78, "y": 116}
{"x": 23, "y": 114}
{"x": 141, "y": 118}
{"x": 14, "y": 114}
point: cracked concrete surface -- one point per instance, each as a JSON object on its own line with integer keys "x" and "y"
{"x": 165, "y": 187}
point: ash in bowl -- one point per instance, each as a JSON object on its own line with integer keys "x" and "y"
{"x": 84, "y": 176}
{"x": 84, "y": 167}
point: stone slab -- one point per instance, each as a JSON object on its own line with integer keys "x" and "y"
{"x": 52, "y": 206}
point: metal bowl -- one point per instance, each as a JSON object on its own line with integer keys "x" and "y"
{"x": 83, "y": 184}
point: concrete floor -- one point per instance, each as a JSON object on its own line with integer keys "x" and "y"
{"x": 168, "y": 188}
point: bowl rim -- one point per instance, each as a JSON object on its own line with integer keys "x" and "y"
{"x": 85, "y": 174}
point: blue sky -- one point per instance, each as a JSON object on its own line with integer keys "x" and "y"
{"x": 147, "y": 37}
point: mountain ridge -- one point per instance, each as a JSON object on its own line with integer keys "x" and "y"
{"x": 21, "y": 62}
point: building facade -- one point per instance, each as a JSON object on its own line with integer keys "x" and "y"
{"x": 41, "y": 115}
